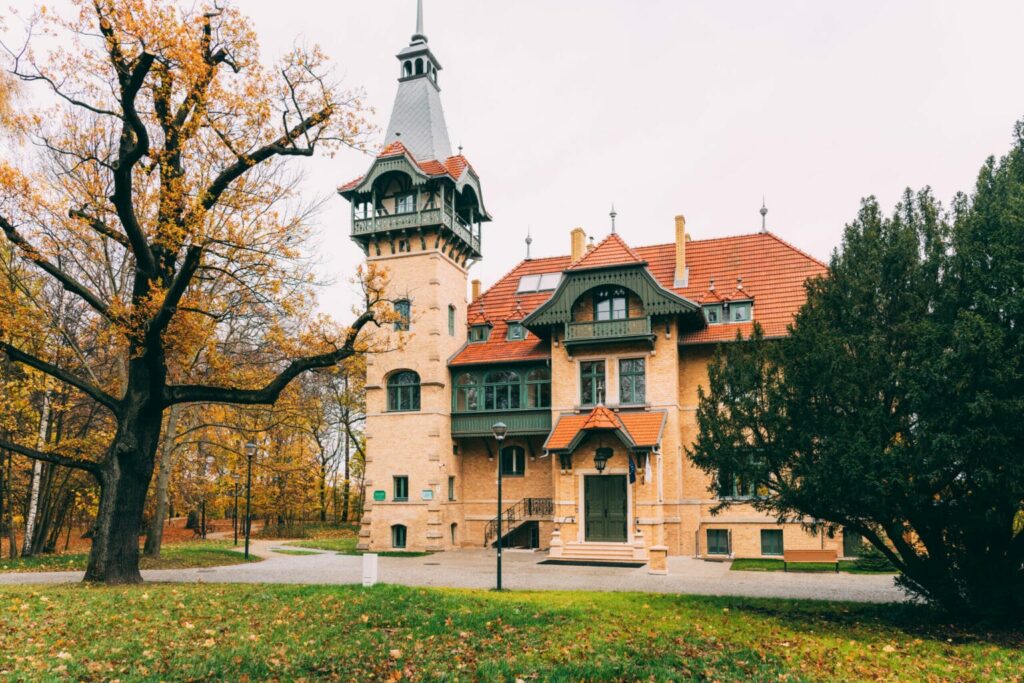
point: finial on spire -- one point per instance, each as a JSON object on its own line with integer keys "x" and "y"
{"x": 764, "y": 214}
{"x": 529, "y": 241}
{"x": 419, "y": 36}
{"x": 613, "y": 214}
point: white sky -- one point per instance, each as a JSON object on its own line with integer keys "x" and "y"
{"x": 666, "y": 107}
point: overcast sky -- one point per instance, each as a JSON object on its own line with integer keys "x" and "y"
{"x": 666, "y": 107}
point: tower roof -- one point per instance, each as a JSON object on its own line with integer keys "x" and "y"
{"x": 417, "y": 117}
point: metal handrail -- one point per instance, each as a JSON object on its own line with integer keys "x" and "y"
{"x": 522, "y": 511}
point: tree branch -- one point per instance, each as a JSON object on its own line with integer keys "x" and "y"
{"x": 55, "y": 458}
{"x": 270, "y": 392}
{"x": 100, "y": 227}
{"x": 19, "y": 356}
{"x": 193, "y": 257}
{"x": 67, "y": 282}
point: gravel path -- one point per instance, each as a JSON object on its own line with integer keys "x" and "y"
{"x": 475, "y": 569}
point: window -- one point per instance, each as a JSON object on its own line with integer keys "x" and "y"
{"x": 713, "y": 314}
{"x": 516, "y": 331}
{"x": 538, "y": 283}
{"x": 403, "y": 391}
{"x": 513, "y": 461}
{"x": 739, "y": 313}
{"x": 632, "y": 381}
{"x": 398, "y": 533}
{"x": 401, "y": 490}
{"x": 538, "y": 388}
{"x": 466, "y": 394}
{"x": 591, "y": 382}
{"x": 403, "y": 246}
{"x": 501, "y": 390}
{"x": 735, "y": 486}
{"x": 451, "y": 320}
{"x": 479, "y": 333}
{"x": 771, "y": 541}
{"x": 404, "y": 310}
{"x": 451, "y": 488}
{"x": 718, "y": 542}
{"x": 405, "y": 203}
{"x": 610, "y": 304}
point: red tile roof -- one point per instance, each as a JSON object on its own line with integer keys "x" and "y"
{"x": 644, "y": 428}
{"x": 611, "y": 251}
{"x": 452, "y": 166}
{"x": 759, "y": 267}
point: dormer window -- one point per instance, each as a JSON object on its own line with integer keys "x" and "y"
{"x": 740, "y": 312}
{"x": 732, "y": 312}
{"x": 713, "y": 314}
{"x": 610, "y": 304}
{"x": 516, "y": 331}
{"x": 479, "y": 333}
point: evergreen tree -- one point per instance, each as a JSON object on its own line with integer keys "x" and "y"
{"x": 894, "y": 407}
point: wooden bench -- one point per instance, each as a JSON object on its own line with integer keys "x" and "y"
{"x": 809, "y": 557}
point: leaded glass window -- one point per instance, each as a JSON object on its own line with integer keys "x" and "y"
{"x": 404, "y": 391}
{"x": 466, "y": 393}
{"x": 632, "y": 381}
{"x": 501, "y": 390}
{"x": 591, "y": 382}
{"x": 538, "y": 388}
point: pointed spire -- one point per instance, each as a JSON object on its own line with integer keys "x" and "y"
{"x": 529, "y": 241}
{"x": 419, "y": 36}
{"x": 764, "y": 214}
{"x": 613, "y": 214}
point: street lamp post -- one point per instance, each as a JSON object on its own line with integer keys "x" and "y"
{"x": 236, "y": 477}
{"x": 499, "y": 430}
{"x": 250, "y": 453}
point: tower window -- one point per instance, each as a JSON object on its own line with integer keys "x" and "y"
{"x": 610, "y": 304}
{"x": 403, "y": 246}
{"x": 408, "y": 69}
{"x": 404, "y": 391}
{"x": 401, "y": 490}
{"x": 516, "y": 331}
{"x": 405, "y": 203}
{"x": 404, "y": 310}
{"x": 591, "y": 382}
{"x": 451, "y": 320}
{"x": 398, "y": 534}
{"x": 419, "y": 66}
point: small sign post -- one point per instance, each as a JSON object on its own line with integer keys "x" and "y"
{"x": 369, "y": 569}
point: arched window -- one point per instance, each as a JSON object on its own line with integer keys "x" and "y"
{"x": 610, "y": 303}
{"x": 398, "y": 533}
{"x": 408, "y": 69}
{"x": 538, "y": 388}
{"x": 404, "y": 391}
{"x": 419, "y": 66}
{"x": 501, "y": 390}
{"x": 404, "y": 310}
{"x": 466, "y": 393}
{"x": 513, "y": 461}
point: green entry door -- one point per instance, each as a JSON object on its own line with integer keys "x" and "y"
{"x": 605, "y": 508}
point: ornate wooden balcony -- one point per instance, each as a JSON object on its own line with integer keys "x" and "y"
{"x": 605, "y": 331}
{"x": 364, "y": 226}
{"x": 520, "y": 422}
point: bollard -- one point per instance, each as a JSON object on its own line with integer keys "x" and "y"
{"x": 369, "y": 569}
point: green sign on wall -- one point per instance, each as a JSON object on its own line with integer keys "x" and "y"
{"x": 380, "y": 495}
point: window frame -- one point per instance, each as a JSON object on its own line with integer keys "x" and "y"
{"x": 599, "y": 388}
{"x": 396, "y": 530}
{"x": 515, "y": 337}
{"x": 479, "y": 333}
{"x": 719, "y": 533}
{"x": 403, "y": 397}
{"x": 401, "y": 199}
{"x": 633, "y": 376}
{"x": 468, "y": 389}
{"x": 403, "y": 307}
{"x": 747, "y": 306}
{"x": 518, "y": 457}
{"x": 395, "y": 479}
{"x": 781, "y": 546}
{"x": 451, "y": 487}
{"x": 611, "y": 295}
{"x": 451, "y": 320}
{"x": 535, "y": 388}
{"x": 509, "y": 387}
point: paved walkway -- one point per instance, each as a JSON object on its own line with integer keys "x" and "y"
{"x": 475, "y": 569}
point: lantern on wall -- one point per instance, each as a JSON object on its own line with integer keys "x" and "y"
{"x": 601, "y": 457}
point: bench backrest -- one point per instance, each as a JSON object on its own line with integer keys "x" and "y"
{"x": 809, "y": 556}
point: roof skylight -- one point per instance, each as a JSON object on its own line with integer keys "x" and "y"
{"x": 538, "y": 283}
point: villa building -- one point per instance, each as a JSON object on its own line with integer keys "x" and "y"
{"x": 592, "y": 360}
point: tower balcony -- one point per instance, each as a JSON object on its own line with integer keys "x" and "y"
{"x": 605, "y": 331}
{"x": 365, "y": 226}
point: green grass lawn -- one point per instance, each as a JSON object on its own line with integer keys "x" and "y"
{"x": 347, "y": 546}
{"x": 765, "y": 565}
{"x": 172, "y": 556}
{"x": 390, "y": 633}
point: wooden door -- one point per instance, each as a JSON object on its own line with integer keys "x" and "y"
{"x": 605, "y": 508}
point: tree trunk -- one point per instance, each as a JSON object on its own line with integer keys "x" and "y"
{"x": 323, "y": 493}
{"x": 28, "y": 548}
{"x": 12, "y": 536}
{"x": 155, "y": 537}
{"x": 345, "y": 495}
{"x": 124, "y": 482}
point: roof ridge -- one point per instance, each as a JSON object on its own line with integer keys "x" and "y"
{"x": 611, "y": 237}
{"x": 794, "y": 248}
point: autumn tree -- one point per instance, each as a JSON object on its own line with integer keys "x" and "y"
{"x": 158, "y": 168}
{"x": 893, "y": 409}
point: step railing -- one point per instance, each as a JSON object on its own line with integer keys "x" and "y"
{"x": 526, "y": 510}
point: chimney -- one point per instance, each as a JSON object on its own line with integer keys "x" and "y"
{"x": 578, "y": 241}
{"x": 682, "y": 275}
{"x": 476, "y": 290}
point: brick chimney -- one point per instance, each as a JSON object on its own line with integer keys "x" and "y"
{"x": 579, "y": 244}
{"x": 682, "y": 275}
{"x": 475, "y": 284}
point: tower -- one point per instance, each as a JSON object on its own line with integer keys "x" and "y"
{"x": 418, "y": 212}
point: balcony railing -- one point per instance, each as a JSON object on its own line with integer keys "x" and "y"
{"x": 593, "y": 331}
{"x": 520, "y": 423}
{"x": 369, "y": 224}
